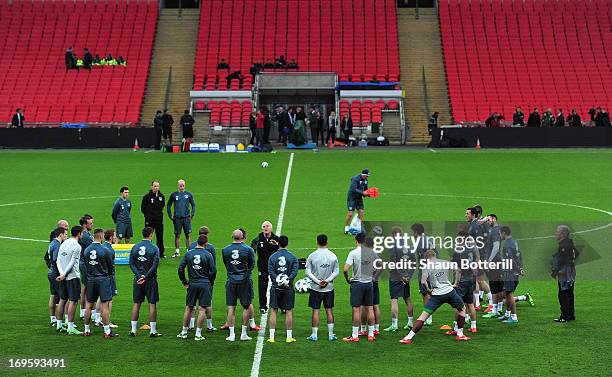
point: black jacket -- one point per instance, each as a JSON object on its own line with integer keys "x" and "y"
{"x": 519, "y": 118}
{"x": 158, "y": 122}
{"x": 17, "y": 121}
{"x": 574, "y": 120}
{"x": 346, "y": 123}
{"x": 534, "y": 120}
{"x": 87, "y": 60}
{"x": 167, "y": 120}
{"x": 560, "y": 121}
{"x": 263, "y": 248}
{"x": 187, "y": 120}
{"x": 152, "y": 206}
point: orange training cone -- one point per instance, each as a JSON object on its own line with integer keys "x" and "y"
{"x": 478, "y": 143}
{"x": 136, "y": 147}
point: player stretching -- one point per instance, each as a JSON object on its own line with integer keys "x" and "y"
{"x": 144, "y": 261}
{"x": 356, "y": 192}
{"x": 322, "y": 268}
{"x": 121, "y": 216}
{"x": 399, "y": 282}
{"x": 464, "y": 278}
{"x": 100, "y": 268}
{"x": 182, "y": 216}
{"x": 70, "y": 284}
{"x": 282, "y": 295}
{"x": 201, "y": 270}
{"x": 435, "y": 278}
{"x": 360, "y": 260}
{"x": 239, "y": 260}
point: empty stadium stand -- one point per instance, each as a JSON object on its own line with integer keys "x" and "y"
{"x": 355, "y": 38}
{"x": 532, "y": 53}
{"x": 33, "y": 75}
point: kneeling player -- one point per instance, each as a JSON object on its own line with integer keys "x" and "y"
{"x": 100, "y": 268}
{"x": 144, "y": 260}
{"x": 202, "y": 270}
{"x": 442, "y": 292}
{"x": 282, "y": 296}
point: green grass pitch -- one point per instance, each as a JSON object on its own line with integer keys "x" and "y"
{"x": 40, "y": 187}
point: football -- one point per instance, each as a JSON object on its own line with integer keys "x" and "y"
{"x": 282, "y": 280}
{"x": 264, "y": 164}
{"x": 302, "y": 285}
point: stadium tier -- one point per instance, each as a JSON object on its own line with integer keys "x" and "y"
{"x": 533, "y": 53}
{"x": 355, "y": 38}
{"x": 33, "y": 74}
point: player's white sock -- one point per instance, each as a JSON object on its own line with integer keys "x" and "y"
{"x": 153, "y": 326}
{"x": 460, "y": 331}
{"x": 53, "y": 319}
{"x": 272, "y": 331}
{"x": 330, "y": 329}
{"x": 455, "y": 326}
{"x": 209, "y": 323}
{"x": 192, "y": 323}
{"x": 97, "y": 317}
{"x": 507, "y": 314}
{"x": 244, "y": 331}
{"x": 252, "y": 322}
{"x": 363, "y": 328}
{"x": 476, "y": 299}
{"x": 198, "y": 332}
{"x": 377, "y": 326}
{"x": 394, "y": 323}
{"x": 315, "y": 330}
{"x": 65, "y": 317}
{"x": 514, "y": 317}
{"x": 106, "y": 329}
{"x": 59, "y": 324}
{"x": 500, "y": 306}
{"x": 410, "y": 335}
{"x": 480, "y": 294}
{"x": 82, "y": 312}
{"x": 346, "y": 228}
{"x": 231, "y": 330}
{"x": 355, "y": 333}
{"x": 473, "y": 324}
{"x": 370, "y": 330}
{"x": 134, "y": 326}
{"x": 521, "y": 298}
{"x": 185, "y": 329}
{"x": 429, "y": 320}
{"x": 410, "y": 322}
{"x": 490, "y": 298}
{"x": 494, "y": 308}
{"x": 289, "y": 334}
{"x": 87, "y": 328}
{"x": 177, "y": 251}
{"x": 70, "y": 326}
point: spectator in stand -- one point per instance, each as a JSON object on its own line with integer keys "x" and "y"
{"x": 236, "y": 75}
{"x": 547, "y": 119}
{"x": 259, "y": 127}
{"x": 593, "y": 114}
{"x": 347, "y": 127}
{"x": 494, "y": 121}
{"x": 97, "y": 60}
{"x": 167, "y": 122}
{"x": 75, "y": 59}
{"x": 433, "y": 123}
{"x": 222, "y": 64}
{"x": 110, "y": 60}
{"x": 269, "y": 64}
{"x": 87, "y": 60}
{"x": 280, "y": 62}
{"x": 560, "y": 121}
{"x": 574, "y": 119}
{"x": 253, "y": 127}
{"x": 18, "y": 119}
{"x": 518, "y": 119}
{"x": 604, "y": 119}
{"x": 158, "y": 125}
{"x": 332, "y": 126}
{"x": 292, "y": 65}
{"x": 121, "y": 61}
{"x": 187, "y": 122}
{"x": 68, "y": 59}
{"x": 267, "y": 124}
{"x": 534, "y": 119}
{"x": 256, "y": 68}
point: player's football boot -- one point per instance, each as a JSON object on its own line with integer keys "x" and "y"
{"x": 371, "y": 338}
{"x": 350, "y": 339}
{"x": 312, "y": 338}
{"x": 255, "y": 328}
{"x": 406, "y": 341}
{"x": 86, "y": 333}
{"x": 510, "y": 321}
{"x": 110, "y": 335}
{"x": 391, "y": 329}
{"x": 199, "y": 338}
{"x": 290, "y": 340}
{"x": 155, "y": 335}
{"x": 462, "y": 338}
{"x": 132, "y": 334}
{"x": 211, "y": 329}
{"x": 530, "y": 299}
{"x": 473, "y": 330}
{"x": 245, "y": 337}
{"x": 451, "y": 332}
{"x": 407, "y": 327}
{"x": 182, "y": 336}
{"x": 362, "y": 333}
{"x": 225, "y": 327}
{"x": 74, "y": 331}
{"x": 332, "y": 337}
{"x": 376, "y": 332}
{"x": 478, "y": 308}
{"x": 490, "y": 315}
{"x": 503, "y": 318}
{"x": 230, "y": 338}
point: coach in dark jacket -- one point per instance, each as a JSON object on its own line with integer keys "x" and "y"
{"x": 574, "y": 119}
{"x": 518, "y": 119}
{"x": 265, "y": 244}
{"x": 152, "y": 207}
{"x": 534, "y": 119}
{"x": 87, "y": 60}
{"x": 563, "y": 268}
{"x": 560, "y": 121}
{"x": 18, "y": 119}
{"x": 346, "y": 126}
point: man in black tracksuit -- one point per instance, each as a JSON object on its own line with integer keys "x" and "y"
{"x": 152, "y": 207}
{"x": 265, "y": 244}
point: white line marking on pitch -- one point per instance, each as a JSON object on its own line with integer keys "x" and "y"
{"x": 149, "y": 151}
{"x": 264, "y": 317}
{"x": 433, "y": 150}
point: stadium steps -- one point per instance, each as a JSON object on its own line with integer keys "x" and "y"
{"x": 392, "y": 130}
{"x": 419, "y": 44}
{"x": 175, "y": 45}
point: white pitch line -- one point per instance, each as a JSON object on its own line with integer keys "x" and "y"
{"x": 264, "y": 317}
{"x": 433, "y": 150}
{"x": 149, "y": 151}
{"x": 22, "y": 239}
